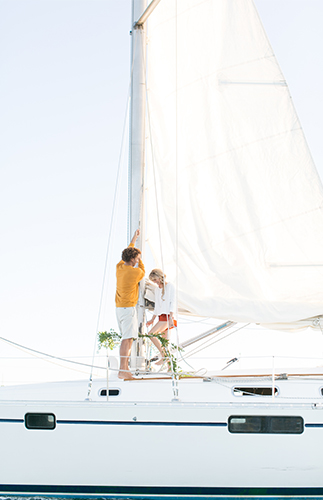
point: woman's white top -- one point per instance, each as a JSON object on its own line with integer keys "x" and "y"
{"x": 166, "y": 304}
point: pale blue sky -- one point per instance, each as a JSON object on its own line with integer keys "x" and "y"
{"x": 64, "y": 67}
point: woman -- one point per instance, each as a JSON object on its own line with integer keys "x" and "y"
{"x": 164, "y": 309}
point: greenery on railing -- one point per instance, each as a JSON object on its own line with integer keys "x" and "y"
{"x": 168, "y": 348}
{"x": 110, "y": 340}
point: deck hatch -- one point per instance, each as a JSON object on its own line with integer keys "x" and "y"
{"x": 45, "y": 421}
{"x": 262, "y": 424}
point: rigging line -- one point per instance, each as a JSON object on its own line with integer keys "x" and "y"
{"x": 184, "y": 360}
{"x": 52, "y": 362}
{"x": 189, "y": 321}
{"x": 134, "y": 42}
{"x": 111, "y": 224}
{"x": 142, "y": 165}
{"x": 23, "y": 349}
{"x": 109, "y": 236}
{"x": 220, "y": 332}
{"x": 24, "y": 358}
{"x": 154, "y": 176}
{"x": 49, "y": 355}
{"x": 176, "y": 169}
{"x": 218, "y": 340}
{"x": 228, "y": 385}
{"x": 155, "y": 190}
{"x": 265, "y": 357}
{"x": 319, "y": 323}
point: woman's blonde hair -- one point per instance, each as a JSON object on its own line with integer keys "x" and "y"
{"x": 158, "y": 273}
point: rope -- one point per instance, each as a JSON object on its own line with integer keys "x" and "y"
{"x": 319, "y": 323}
{"x": 66, "y": 360}
{"x": 200, "y": 348}
{"x": 154, "y": 179}
{"x": 175, "y": 381}
{"x": 141, "y": 211}
{"x": 156, "y": 200}
{"x": 116, "y": 192}
{"x": 221, "y": 381}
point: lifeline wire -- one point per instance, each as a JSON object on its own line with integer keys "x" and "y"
{"x": 49, "y": 355}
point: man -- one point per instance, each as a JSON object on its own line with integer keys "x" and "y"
{"x": 128, "y": 277}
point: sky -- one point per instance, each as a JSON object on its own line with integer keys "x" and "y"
{"x": 65, "y": 68}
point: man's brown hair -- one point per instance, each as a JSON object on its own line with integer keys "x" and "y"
{"x": 130, "y": 253}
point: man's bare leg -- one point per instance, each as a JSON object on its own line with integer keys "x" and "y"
{"x": 125, "y": 349}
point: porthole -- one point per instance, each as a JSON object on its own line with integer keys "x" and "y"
{"x": 45, "y": 421}
{"x": 112, "y": 392}
{"x": 262, "y": 424}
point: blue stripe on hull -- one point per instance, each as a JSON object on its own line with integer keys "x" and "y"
{"x": 118, "y": 422}
{"x": 153, "y": 492}
{"x": 160, "y": 424}
{"x": 11, "y": 420}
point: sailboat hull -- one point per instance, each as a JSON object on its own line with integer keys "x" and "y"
{"x": 174, "y": 449}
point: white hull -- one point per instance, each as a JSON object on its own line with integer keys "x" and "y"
{"x": 162, "y": 447}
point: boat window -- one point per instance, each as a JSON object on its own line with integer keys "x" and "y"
{"x": 40, "y": 421}
{"x": 262, "y": 424}
{"x": 252, "y": 391}
{"x": 112, "y": 392}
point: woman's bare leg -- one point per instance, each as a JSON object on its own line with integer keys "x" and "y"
{"x": 160, "y": 327}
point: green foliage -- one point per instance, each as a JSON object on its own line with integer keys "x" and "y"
{"x": 168, "y": 348}
{"x": 109, "y": 340}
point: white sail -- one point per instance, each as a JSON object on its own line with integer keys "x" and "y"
{"x": 235, "y": 204}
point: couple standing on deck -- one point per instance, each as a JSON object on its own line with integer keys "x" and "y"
{"x": 131, "y": 270}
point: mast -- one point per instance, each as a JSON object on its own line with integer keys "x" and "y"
{"x": 140, "y": 14}
{"x": 137, "y": 122}
{"x": 137, "y": 155}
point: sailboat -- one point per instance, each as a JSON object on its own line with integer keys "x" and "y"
{"x": 234, "y": 210}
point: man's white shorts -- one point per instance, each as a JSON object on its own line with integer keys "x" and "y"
{"x": 128, "y": 322}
